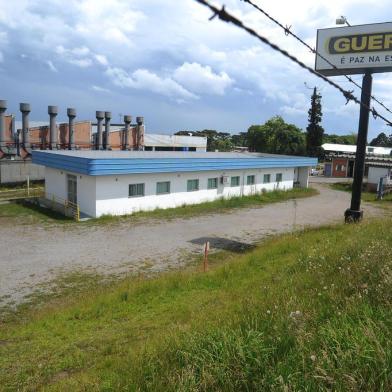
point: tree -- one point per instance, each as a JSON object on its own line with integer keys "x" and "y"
{"x": 220, "y": 141}
{"x": 276, "y": 137}
{"x": 340, "y": 139}
{"x": 240, "y": 140}
{"x": 314, "y": 131}
{"x": 382, "y": 140}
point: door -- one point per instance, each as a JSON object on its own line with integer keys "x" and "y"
{"x": 328, "y": 169}
{"x": 72, "y": 188}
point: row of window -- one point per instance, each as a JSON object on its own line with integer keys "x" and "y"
{"x": 163, "y": 187}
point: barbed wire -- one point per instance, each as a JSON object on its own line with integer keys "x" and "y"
{"x": 287, "y": 31}
{"x": 228, "y": 18}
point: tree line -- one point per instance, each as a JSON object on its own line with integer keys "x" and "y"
{"x": 276, "y": 136}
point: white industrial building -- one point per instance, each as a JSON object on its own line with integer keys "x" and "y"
{"x": 159, "y": 142}
{"x": 351, "y": 148}
{"x": 124, "y": 182}
{"x": 378, "y": 170}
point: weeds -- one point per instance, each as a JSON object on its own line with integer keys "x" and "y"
{"x": 305, "y": 311}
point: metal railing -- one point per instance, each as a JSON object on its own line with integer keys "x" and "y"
{"x": 67, "y": 207}
{"x": 21, "y": 193}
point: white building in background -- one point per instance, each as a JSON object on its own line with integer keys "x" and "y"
{"x": 125, "y": 182}
{"x": 352, "y": 149}
{"x": 379, "y": 170}
{"x": 157, "y": 142}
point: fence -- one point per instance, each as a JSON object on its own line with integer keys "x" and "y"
{"x": 68, "y": 208}
{"x": 21, "y": 193}
{"x": 53, "y": 202}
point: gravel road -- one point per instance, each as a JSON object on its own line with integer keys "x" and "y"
{"x": 33, "y": 254}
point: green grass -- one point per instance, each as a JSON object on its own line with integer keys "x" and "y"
{"x": 35, "y": 214}
{"x": 27, "y": 213}
{"x": 366, "y": 196}
{"x": 307, "y": 311}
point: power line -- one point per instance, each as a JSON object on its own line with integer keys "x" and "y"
{"x": 228, "y": 18}
{"x": 287, "y": 31}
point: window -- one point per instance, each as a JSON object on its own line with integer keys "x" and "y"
{"x": 192, "y": 185}
{"x": 136, "y": 190}
{"x": 235, "y": 181}
{"x": 212, "y": 183}
{"x": 267, "y": 178}
{"x": 163, "y": 187}
{"x": 250, "y": 180}
{"x": 278, "y": 177}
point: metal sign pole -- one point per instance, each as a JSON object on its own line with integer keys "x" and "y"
{"x": 354, "y": 213}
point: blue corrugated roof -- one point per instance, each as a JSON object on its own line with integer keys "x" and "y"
{"x": 102, "y": 163}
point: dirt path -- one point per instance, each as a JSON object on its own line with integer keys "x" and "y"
{"x": 34, "y": 254}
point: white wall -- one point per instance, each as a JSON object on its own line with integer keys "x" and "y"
{"x": 56, "y": 184}
{"x": 87, "y": 194}
{"x": 375, "y": 173}
{"x": 112, "y": 191}
{"x": 303, "y": 176}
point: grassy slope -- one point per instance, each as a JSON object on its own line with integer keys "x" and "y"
{"x": 34, "y": 214}
{"x": 366, "y": 196}
{"x": 309, "y": 311}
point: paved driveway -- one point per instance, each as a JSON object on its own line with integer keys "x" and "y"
{"x": 33, "y": 254}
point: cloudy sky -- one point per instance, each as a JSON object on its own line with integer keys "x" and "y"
{"x": 164, "y": 60}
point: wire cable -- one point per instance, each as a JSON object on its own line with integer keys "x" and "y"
{"x": 228, "y": 18}
{"x": 287, "y": 31}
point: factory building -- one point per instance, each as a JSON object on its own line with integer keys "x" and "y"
{"x": 125, "y": 182}
{"x": 340, "y": 158}
{"x": 80, "y": 135}
{"x": 16, "y": 145}
{"x": 141, "y": 140}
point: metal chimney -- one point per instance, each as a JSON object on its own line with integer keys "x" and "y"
{"x": 100, "y": 116}
{"x": 71, "y": 113}
{"x": 127, "y": 121}
{"x": 139, "y": 131}
{"x": 25, "y": 109}
{"x": 52, "y": 111}
{"x": 3, "y": 108}
{"x": 108, "y": 116}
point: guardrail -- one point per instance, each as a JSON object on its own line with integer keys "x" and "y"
{"x": 67, "y": 207}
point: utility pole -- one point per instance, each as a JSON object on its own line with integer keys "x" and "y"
{"x": 354, "y": 213}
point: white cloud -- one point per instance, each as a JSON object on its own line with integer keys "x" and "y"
{"x": 101, "y": 59}
{"x": 80, "y": 52}
{"x": 110, "y": 21}
{"x": 82, "y": 63}
{"x": 298, "y": 105}
{"x": 142, "y": 79}
{"x": 3, "y": 38}
{"x": 1, "y": 57}
{"x": 51, "y": 66}
{"x": 178, "y": 53}
{"x": 79, "y": 56}
{"x": 201, "y": 79}
{"x": 100, "y": 89}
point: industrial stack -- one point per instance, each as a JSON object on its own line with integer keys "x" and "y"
{"x": 16, "y": 144}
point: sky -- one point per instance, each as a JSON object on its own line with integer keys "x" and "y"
{"x": 164, "y": 60}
